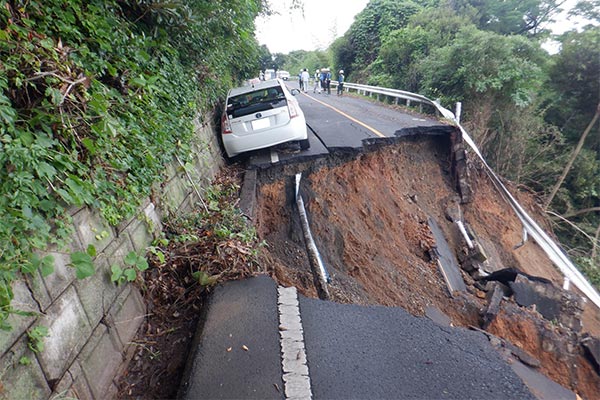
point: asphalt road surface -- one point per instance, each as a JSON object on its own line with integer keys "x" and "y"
{"x": 341, "y": 122}
{"x": 351, "y": 352}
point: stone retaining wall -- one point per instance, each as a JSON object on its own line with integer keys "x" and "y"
{"x": 93, "y": 321}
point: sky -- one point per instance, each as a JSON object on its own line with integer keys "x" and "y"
{"x": 322, "y": 22}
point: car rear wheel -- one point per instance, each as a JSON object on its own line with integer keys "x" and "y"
{"x": 304, "y": 144}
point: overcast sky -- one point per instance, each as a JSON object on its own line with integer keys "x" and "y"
{"x": 322, "y": 22}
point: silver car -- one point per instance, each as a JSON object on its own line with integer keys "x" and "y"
{"x": 262, "y": 115}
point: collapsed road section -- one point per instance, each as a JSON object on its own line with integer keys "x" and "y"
{"x": 371, "y": 213}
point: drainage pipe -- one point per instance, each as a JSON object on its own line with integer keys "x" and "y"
{"x": 322, "y": 278}
{"x": 462, "y": 230}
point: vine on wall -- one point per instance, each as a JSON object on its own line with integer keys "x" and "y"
{"x": 96, "y": 97}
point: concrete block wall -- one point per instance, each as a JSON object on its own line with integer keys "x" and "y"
{"x": 92, "y": 322}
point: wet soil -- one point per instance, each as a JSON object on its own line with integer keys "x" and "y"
{"x": 368, "y": 215}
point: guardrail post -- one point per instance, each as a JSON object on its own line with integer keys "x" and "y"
{"x": 458, "y": 111}
{"x": 407, "y": 102}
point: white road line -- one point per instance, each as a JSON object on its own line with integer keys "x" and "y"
{"x": 296, "y": 379}
{"x": 274, "y": 157}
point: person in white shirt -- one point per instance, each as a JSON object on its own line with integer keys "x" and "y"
{"x": 305, "y": 77}
{"x": 317, "y": 87}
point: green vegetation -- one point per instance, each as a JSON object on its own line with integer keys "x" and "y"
{"x": 212, "y": 244}
{"x": 135, "y": 262}
{"x": 36, "y": 337}
{"x": 311, "y": 60}
{"x": 96, "y": 97}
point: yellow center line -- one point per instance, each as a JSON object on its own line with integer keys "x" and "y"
{"x": 375, "y": 131}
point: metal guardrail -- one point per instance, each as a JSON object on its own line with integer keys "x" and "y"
{"x": 394, "y": 93}
{"x": 552, "y": 250}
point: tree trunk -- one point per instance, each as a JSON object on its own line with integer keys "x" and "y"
{"x": 572, "y": 159}
{"x": 595, "y": 246}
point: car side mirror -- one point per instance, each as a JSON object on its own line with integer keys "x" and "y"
{"x": 294, "y": 92}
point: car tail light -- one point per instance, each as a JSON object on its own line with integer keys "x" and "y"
{"x": 225, "y": 124}
{"x": 292, "y": 109}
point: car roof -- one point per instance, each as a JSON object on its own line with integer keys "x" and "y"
{"x": 257, "y": 86}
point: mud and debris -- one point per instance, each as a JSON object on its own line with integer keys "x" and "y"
{"x": 369, "y": 215}
{"x": 592, "y": 350}
{"x": 195, "y": 252}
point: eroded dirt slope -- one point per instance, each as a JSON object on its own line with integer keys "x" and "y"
{"x": 369, "y": 215}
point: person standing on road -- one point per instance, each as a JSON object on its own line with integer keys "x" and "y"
{"x": 317, "y": 87}
{"x": 322, "y": 80}
{"x": 305, "y": 78}
{"x": 327, "y": 80}
{"x": 340, "y": 87}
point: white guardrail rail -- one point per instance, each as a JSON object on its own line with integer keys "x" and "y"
{"x": 530, "y": 227}
{"x": 394, "y": 93}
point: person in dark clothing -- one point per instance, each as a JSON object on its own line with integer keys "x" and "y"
{"x": 326, "y": 81}
{"x": 340, "y": 87}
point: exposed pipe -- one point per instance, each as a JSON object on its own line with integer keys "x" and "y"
{"x": 316, "y": 263}
{"x": 462, "y": 230}
{"x": 458, "y": 111}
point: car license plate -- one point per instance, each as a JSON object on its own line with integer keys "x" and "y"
{"x": 260, "y": 124}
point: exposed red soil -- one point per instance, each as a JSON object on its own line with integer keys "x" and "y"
{"x": 369, "y": 217}
{"x": 549, "y": 344}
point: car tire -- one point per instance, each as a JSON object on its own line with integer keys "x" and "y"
{"x": 304, "y": 144}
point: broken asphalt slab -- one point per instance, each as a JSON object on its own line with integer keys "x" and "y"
{"x": 542, "y": 387}
{"x": 358, "y": 352}
{"x": 446, "y": 260}
{"x": 283, "y": 154}
{"x": 352, "y": 351}
{"x": 236, "y": 352}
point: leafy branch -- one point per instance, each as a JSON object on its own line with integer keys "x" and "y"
{"x": 94, "y": 103}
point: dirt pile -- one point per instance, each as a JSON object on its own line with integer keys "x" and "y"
{"x": 369, "y": 215}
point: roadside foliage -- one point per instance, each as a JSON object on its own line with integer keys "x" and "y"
{"x": 96, "y": 97}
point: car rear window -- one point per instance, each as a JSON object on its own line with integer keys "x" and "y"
{"x": 259, "y": 100}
